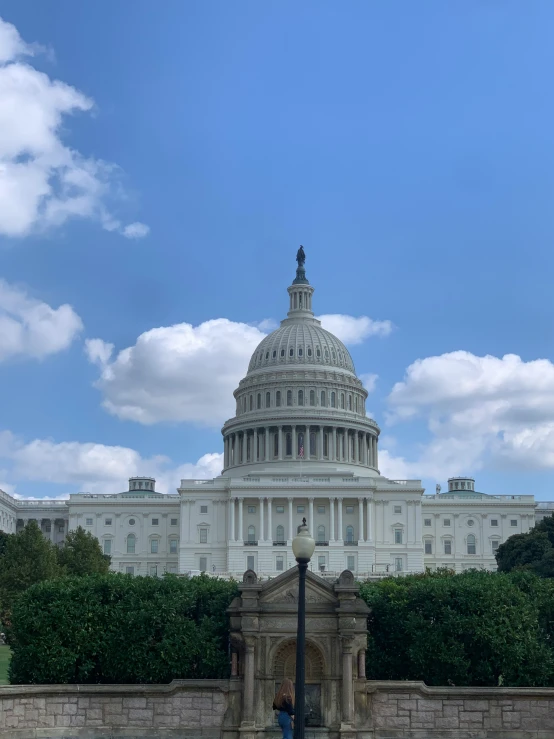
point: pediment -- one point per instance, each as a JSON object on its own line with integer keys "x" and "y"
{"x": 284, "y": 590}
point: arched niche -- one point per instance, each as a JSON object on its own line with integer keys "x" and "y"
{"x": 284, "y": 665}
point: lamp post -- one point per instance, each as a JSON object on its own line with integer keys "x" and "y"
{"x": 303, "y": 548}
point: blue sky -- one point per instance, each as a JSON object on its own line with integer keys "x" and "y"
{"x": 186, "y": 153}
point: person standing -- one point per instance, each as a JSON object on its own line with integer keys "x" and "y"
{"x": 284, "y": 703}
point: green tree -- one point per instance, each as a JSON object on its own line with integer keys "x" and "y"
{"x": 28, "y": 558}
{"x": 4, "y": 538}
{"x": 523, "y": 551}
{"x": 82, "y": 554}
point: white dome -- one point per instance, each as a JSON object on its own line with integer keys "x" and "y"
{"x": 301, "y": 343}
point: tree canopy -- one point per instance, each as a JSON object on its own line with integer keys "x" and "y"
{"x": 82, "y": 554}
{"x": 531, "y": 551}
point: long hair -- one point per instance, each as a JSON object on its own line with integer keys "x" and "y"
{"x": 285, "y": 692}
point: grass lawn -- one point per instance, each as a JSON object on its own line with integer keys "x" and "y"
{"x": 4, "y": 661}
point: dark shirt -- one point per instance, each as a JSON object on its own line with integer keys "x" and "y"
{"x": 287, "y": 707}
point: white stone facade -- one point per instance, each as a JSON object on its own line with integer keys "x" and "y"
{"x": 300, "y": 445}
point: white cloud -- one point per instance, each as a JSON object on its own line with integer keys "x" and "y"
{"x": 369, "y": 381}
{"x": 31, "y": 328}
{"x": 95, "y": 467}
{"x": 479, "y": 410}
{"x": 98, "y": 351}
{"x": 43, "y": 182}
{"x": 136, "y": 230}
{"x": 352, "y": 330}
{"x": 177, "y": 373}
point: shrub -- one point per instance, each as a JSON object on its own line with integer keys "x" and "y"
{"x": 121, "y": 629}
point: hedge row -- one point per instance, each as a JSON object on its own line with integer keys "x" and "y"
{"x": 121, "y": 629}
{"x": 476, "y": 628}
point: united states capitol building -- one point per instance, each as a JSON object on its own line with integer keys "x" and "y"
{"x": 300, "y": 445}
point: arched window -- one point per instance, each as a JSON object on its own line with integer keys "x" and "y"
{"x": 333, "y": 400}
{"x": 318, "y": 352}
{"x": 267, "y": 400}
{"x": 267, "y": 355}
{"x": 288, "y": 443}
{"x": 351, "y": 445}
{"x": 274, "y": 354}
{"x": 244, "y": 405}
{"x": 326, "y": 354}
{"x": 289, "y": 397}
{"x": 300, "y": 397}
{"x": 276, "y": 445}
{"x": 349, "y": 402}
{"x": 312, "y": 443}
{"x": 356, "y": 399}
{"x": 131, "y": 543}
{"x": 280, "y": 533}
{"x": 312, "y": 397}
{"x": 251, "y": 534}
{"x": 309, "y": 352}
{"x": 321, "y": 533}
{"x": 342, "y": 400}
{"x": 325, "y": 444}
{"x": 248, "y": 447}
{"x": 471, "y": 546}
{"x": 323, "y": 399}
{"x": 349, "y": 534}
{"x": 300, "y": 351}
{"x": 278, "y": 398}
{"x": 300, "y": 452}
{"x": 282, "y": 352}
{"x": 291, "y": 352}
{"x": 251, "y": 402}
{"x": 259, "y": 401}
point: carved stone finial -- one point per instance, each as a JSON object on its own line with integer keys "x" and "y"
{"x": 250, "y": 578}
{"x": 346, "y": 578}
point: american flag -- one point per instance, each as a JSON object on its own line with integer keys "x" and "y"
{"x": 301, "y": 450}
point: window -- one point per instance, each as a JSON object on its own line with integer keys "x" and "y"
{"x": 131, "y": 541}
{"x": 398, "y": 536}
{"x": 471, "y": 546}
{"x": 300, "y": 443}
{"x": 173, "y": 569}
{"x": 154, "y": 546}
{"x": 251, "y": 509}
{"x": 108, "y": 522}
{"x": 342, "y": 400}
{"x": 470, "y": 522}
{"x": 349, "y": 402}
{"x": 321, "y": 509}
{"x": 446, "y": 522}
{"x": 130, "y": 570}
{"x": 312, "y": 443}
{"x": 300, "y": 508}
{"x": 267, "y": 400}
{"x": 309, "y": 352}
{"x": 280, "y": 533}
{"x": 513, "y": 522}
{"x": 494, "y": 545}
{"x": 274, "y": 354}
{"x": 131, "y": 522}
{"x": 494, "y": 522}
{"x": 276, "y": 445}
{"x": 173, "y": 546}
{"x": 321, "y": 562}
{"x": 448, "y": 546}
{"x": 173, "y": 522}
{"x": 288, "y": 444}
{"x": 203, "y": 564}
{"x": 291, "y": 352}
{"x": 153, "y": 570}
{"x": 203, "y": 536}
{"x": 350, "y": 534}
{"x": 428, "y": 546}
{"x": 351, "y": 563}
{"x": 325, "y": 444}
{"x": 107, "y": 546}
{"x": 333, "y": 400}
{"x": 279, "y": 563}
{"x": 312, "y": 397}
{"x": 251, "y": 534}
{"x": 426, "y": 521}
{"x": 251, "y": 402}
{"x": 349, "y": 509}
{"x": 88, "y": 522}
{"x": 398, "y": 509}
{"x": 155, "y": 521}
{"x": 250, "y": 562}
{"x": 280, "y": 509}
{"x": 321, "y": 533}
{"x": 300, "y": 352}
{"x": 318, "y": 352}
{"x": 398, "y": 564}
{"x": 289, "y": 397}
{"x": 323, "y": 399}
{"x": 300, "y": 397}
{"x": 278, "y": 398}
{"x": 203, "y": 509}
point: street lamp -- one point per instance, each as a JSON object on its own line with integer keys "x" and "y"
{"x": 303, "y": 548}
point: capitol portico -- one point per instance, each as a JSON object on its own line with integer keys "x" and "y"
{"x": 300, "y": 445}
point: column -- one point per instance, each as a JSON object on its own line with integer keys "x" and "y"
{"x": 374, "y": 440}
{"x": 346, "y": 681}
{"x": 241, "y": 537}
{"x": 332, "y": 511}
{"x": 232, "y": 519}
{"x": 371, "y": 455}
{"x": 368, "y": 523}
{"x": 291, "y": 533}
{"x": 333, "y": 454}
{"x": 266, "y": 449}
{"x": 340, "y": 532}
{"x": 226, "y": 452}
{"x": 280, "y": 442}
{"x": 53, "y": 530}
{"x": 248, "y": 715}
{"x": 376, "y": 454}
{"x": 361, "y": 664}
{"x": 361, "y": 519}
{"x": 320, "y": 440}
{"x": 254, "y": 455}
{"x": 269, "y": 521}
{"x": 294, "y": 442}
{"x": 262, "y": 537}
{"x": 357, "y": 447}
{"x": 311, "y": 517}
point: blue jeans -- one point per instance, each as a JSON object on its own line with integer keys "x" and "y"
{"x": 285, "y": 723}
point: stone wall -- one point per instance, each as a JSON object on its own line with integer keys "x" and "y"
{"x": 411, "y": 710}
{"x": 185, "y": 708}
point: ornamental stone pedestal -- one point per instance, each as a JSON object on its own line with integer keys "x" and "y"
{"x": 263, "y": 645}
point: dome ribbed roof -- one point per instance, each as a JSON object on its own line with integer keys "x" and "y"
{"x": 301, "y": 343}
